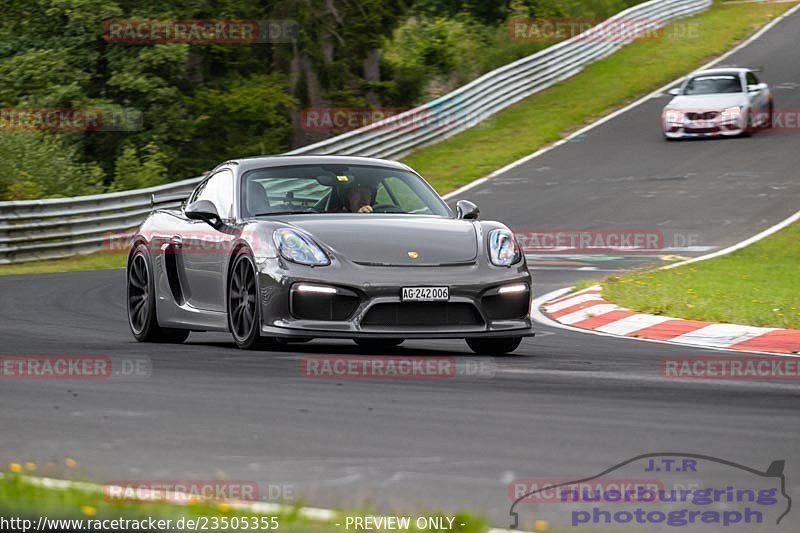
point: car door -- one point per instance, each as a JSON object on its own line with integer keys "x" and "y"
{"x": 205, "y": 249}
{"x": 758, "y": 99}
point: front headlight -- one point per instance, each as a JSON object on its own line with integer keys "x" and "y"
{"x": 299, "y": 248}
{"x": 732, "y": 114}
{"x": 673, "y": 116}
{"x": 503, "y": 249}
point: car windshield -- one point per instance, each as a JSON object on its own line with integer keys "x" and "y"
{"x": 332, "y": 188}
{"x": 713, "y": 85}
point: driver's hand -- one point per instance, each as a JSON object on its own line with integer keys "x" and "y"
{"x": 365, "y": 209}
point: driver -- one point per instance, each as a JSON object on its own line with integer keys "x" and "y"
{"x": 359, "y": 198}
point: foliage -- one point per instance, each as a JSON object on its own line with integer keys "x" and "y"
{"x": 39, "y": 165}
{"x": 134, "y": 172}
{"x": 203, "y": 102}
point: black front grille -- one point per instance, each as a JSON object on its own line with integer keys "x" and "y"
{"x": 422, "y": 314}
{"x": 316, "y": 306}
{"x": 506, "y": 306}
{"x": 707, "y": 115}
{"x": 701, "y": 130}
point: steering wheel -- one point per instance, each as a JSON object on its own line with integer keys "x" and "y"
{"x": 386, "y": 208}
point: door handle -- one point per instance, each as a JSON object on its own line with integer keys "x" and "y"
{"x": 176, "y": 241}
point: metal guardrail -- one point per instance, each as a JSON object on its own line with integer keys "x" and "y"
{"x": 47, "y": 229}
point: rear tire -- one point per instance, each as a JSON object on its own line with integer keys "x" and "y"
{"x": 244, "y": 310}
{"x": 141, "y": 301}
{"x": 494, "y": 346}
{"x": 378, "y": 344}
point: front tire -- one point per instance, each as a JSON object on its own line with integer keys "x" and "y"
{"x": 141, "y": 299}
{"x": 244, "y": 311}
{"x": 748, "y": 129}
{"x": 494, "y": 346}
{"x": 770, "y": 113}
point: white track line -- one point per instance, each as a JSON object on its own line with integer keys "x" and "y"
{"x": 722, "y": 335}
{"x": 589, "y": 312}
{"x": 569, "y": 302}
{"x": 632, "y": 323}
{"x": 738, "y": 246}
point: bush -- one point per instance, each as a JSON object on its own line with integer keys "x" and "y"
{"x": 37, "y": 165}
{"x": 429, "y": 55}
{"x": 134, "y": 172}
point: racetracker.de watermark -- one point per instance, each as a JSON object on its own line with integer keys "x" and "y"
{"x": 57, "y": 120}
{"x": 84, "y": 367}
{"x": 222, "y": 31}
{"x": 619, "y": 30}
{"x": 187, "y": 490}
{"x": 786, "y": 119}
{"x": 734, "y": 368}
{"x": 590, "y": 241}
{"x": 601, "y": 490}
{"x": 342, "y": 119}
{"x": 394, "y": 367}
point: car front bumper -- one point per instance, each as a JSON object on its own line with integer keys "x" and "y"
{"x": 367, "y": 302}
{"x": 716, "y": 127}
{"x": 688, "y": 133}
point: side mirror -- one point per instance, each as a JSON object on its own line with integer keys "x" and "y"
{"x": 675, "y": 91}
{"x": 203, "y": 210}
{"x": 466, "y": 210}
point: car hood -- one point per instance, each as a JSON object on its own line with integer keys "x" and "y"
{"x": 709, "y": 102}
{"x": 391, "y": 240}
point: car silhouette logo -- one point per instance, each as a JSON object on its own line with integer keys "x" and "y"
{"x": 413, "y": 254}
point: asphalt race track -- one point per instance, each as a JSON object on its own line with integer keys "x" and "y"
{"x": 564, "y": 406}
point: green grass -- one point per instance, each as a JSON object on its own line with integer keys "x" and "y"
{"x": 609, "y": 84}
{"x": 757, "y": 286}
{"x": 95, "y": 261}
{"x": 21, "y": 496}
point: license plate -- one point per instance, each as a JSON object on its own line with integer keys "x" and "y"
{"x": 425, "y": 294}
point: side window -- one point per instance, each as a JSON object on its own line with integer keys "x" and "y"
{"x": 218, "y": 189}
{"x": 751, "y": 79}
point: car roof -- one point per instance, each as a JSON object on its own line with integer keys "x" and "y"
{"x": 248, "y": 163}
{"x": 713, "y": 71}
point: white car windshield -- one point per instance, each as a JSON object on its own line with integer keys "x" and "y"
{"x": 713, "y": 85}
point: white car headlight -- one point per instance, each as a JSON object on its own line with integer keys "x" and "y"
{"x": 673, "y": 116}
{"x": 299, "y": 248}
{"x": 503, "y": 249}
{"x": 732, "y": 114}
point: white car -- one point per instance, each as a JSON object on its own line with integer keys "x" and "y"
{"x": 718, "y": 102}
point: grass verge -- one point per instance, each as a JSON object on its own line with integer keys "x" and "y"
{"x": 25, "y": 498}
{"x": 95, "y": 261}
{"x": 609, "y": 84}
{"x": 756, "y": 286}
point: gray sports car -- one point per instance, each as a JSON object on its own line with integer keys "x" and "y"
{"x": 291, "y": 248}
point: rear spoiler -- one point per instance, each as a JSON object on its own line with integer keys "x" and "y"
{"x": 162, "y": 199}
